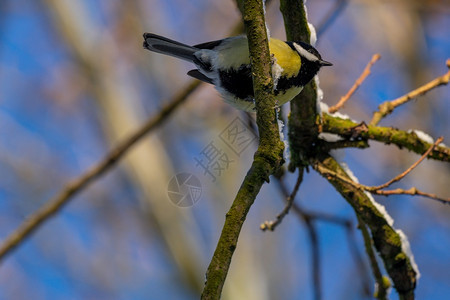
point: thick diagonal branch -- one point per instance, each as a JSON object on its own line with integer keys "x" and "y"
{"x": 386, "y": 240}
{"x": 267, "y": 158}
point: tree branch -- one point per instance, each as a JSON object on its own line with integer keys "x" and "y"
{"x": 412, "y": 167}
{"x": 307, "y": 149}
{"x": 356, "y": 85}
{"x": 308, "y": 219}
{"x": 387, "y": 135}
{"x": 388, "y": 107}
{"x": 386, "y": 240}
{"x": 267, "y": 158}
{"x": 55, "y": 204}
{"x": 381, "y": 291}
{"x": 412, "y": 191}
{"x": 304, "y": 119}
{"x": 271, "y": 225}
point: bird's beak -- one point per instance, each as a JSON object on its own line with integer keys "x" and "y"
{"x": 325, "y": 63}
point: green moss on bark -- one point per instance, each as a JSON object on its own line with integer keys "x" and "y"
{"x": 304, "y": 127}
{"x": 304, "y": 120}
{"x": 387, "y": 135}
{"x": 386, "y": 239}
{"x": 267, "y": 158}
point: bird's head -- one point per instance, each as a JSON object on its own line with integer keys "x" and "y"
{"x": 310, "y": 54}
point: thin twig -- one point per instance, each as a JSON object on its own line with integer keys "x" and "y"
{"x": 308, "y": 219}
{"x": 271, "y": 225}
{"x": 315, "y": 250}
{"x": 73, "y": 188}
{"x": 414, "y": 165}
{"x": 412, "y": 191}
{"x": 324, "y": 217}
{"x": 356, "y": 85}
{"x": 361, "y": 266}
{"x": 388, "y": 107}
{"x": 381, "y": 289}
{"x": 331, "y": 16}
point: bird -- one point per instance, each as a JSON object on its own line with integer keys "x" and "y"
{"x": 226, "y": 64}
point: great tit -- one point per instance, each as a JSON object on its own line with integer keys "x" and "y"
{"x": 226, "y": 64}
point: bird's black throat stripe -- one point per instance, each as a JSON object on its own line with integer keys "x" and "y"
{"x": 239, "y": 81}
{"x": 307, "y": 71}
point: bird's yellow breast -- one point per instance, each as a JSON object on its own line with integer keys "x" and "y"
{"x": 234, "y": 53}
{"x": 287, "y": 58}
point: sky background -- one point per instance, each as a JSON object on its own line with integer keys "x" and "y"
{"x": 75, "y": 81}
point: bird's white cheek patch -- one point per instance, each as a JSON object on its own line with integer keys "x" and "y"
{"x": 304, "y": 53}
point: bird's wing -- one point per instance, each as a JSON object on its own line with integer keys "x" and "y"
{"x": 200, "y": 76}
{"x": 208, "y": 45}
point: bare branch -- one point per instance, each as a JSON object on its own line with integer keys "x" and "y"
{"x": 308, "y": 219}
{"x": 413, "y": 191}
{"x": 368, "y": 245}
{"x": 388, "y": 107}
{"x": 360, "y": 263}
{"x": 377, "y": 189}
{"x": 414, "y": 165}
{"x": 356, "y": 85}
{"x": 271, "y": 225}
{"x": 331, "y": 16}
{"x": 55, "y": 204}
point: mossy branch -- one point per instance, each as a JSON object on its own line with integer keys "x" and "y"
{"x": 382, "y": 286}
{"x": 386, "y": 240}
{"x": 267, "y": 158}
{"x": 388, "y": 135}
{"x": 304, "y": 127}
{"x": 304, "y": 119}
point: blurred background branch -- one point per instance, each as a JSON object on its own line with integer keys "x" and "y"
{"x": 55, "y": 204}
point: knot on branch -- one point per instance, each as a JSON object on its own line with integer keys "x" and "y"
{"x": 386, "y": 108}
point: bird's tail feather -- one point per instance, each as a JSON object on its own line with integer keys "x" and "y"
{"x": 160, "y": 44}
